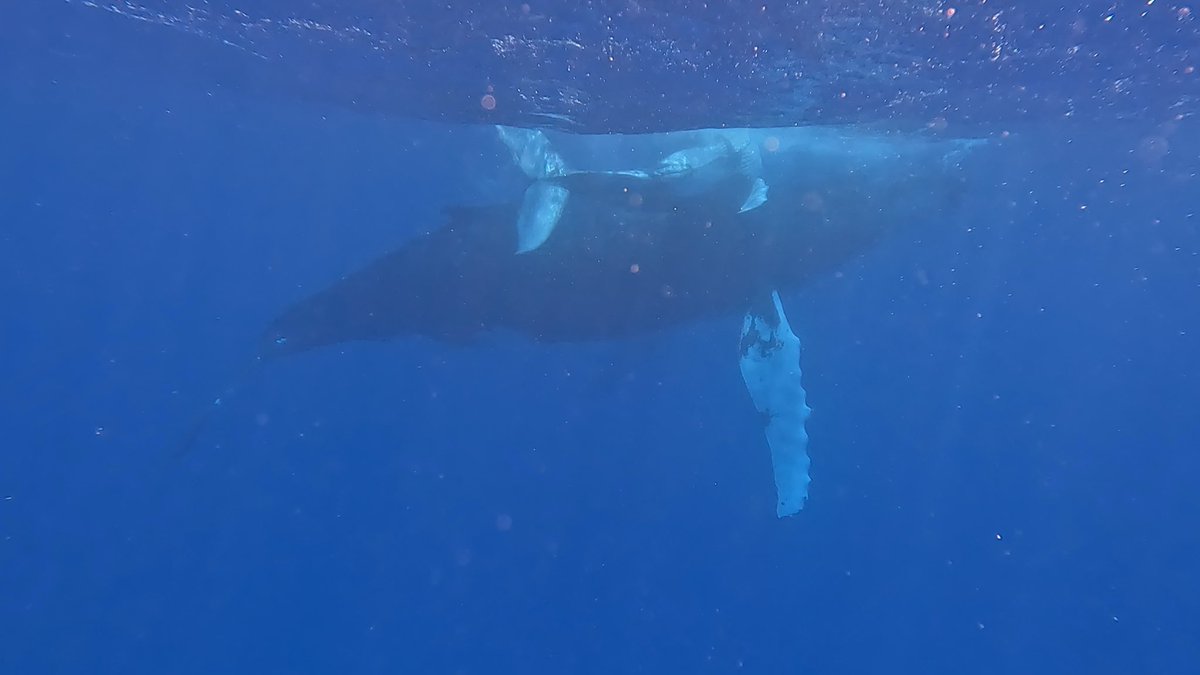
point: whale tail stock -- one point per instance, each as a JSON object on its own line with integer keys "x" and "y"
{"x": 203, "y": 420}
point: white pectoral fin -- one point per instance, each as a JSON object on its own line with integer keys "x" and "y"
{"x": 757, "y": 196}
{"x": 770, "y": 363}
{"x": 540, "y": 211}
{"x": 750, "y": 163}
{"x": 545, "y": 199}
{"x": 532, "y": 152}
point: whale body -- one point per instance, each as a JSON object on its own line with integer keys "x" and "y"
{"x": 618, "y": 263}
{"x": 721, "y": 226}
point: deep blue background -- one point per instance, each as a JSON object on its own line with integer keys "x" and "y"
{"x": 1003, "y": 441}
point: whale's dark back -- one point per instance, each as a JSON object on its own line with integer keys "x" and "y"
{"x": 614, "y": 272}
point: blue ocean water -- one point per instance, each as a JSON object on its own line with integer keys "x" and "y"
{"x": 1004, "y": 431}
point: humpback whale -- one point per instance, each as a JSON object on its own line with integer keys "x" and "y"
{"x": 700, "y": 175}
{"x": 602, "y": 253}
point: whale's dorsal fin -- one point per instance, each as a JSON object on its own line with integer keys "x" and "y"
{"x": 757, "y": 196}
{"x": 703, "y": 168}
{"x": 717, "y": 165}
{"x": 750, "y": 164}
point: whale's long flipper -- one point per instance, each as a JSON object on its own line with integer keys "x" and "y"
{"x": 545, "y": 199}
{"x": 541, "y": 210}
{"x": 770, "y": 360}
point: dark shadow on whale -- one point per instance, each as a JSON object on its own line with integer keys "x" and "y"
{"x": 610, "y": 275}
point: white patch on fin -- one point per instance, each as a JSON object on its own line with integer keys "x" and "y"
{"x": 757, "y": 196}
{"x": 770, "y": 363}
{"x": 532, "y": 152}
{"x": 544, "y": 201}
{"x": 540, "y": 211}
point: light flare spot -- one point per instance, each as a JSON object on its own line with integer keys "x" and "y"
{"x": 1152, "y": 149}
{"x": 812, "y": 201}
